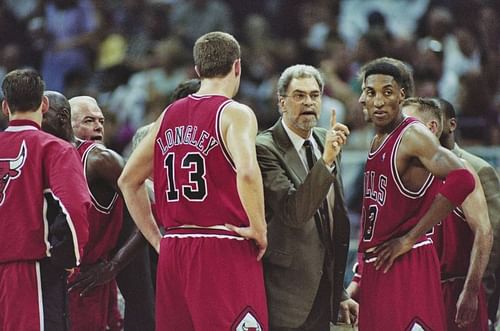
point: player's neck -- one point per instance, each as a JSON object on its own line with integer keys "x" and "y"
{"x": 448, "y": 142}
{"x": 220, "y": 86}
{"x": 35, "y": 116}
{"x": 389, "y": 127}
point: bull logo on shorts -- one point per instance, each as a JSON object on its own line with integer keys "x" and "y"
{"x": 248, "y": 322}
{"x": 11, "y": 169}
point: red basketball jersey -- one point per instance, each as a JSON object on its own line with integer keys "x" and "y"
{"x": 194, "y": 176}
{"x": 35, "y": 167}
{"x": 389, "y": 208}
{"x": 105, "y": 221}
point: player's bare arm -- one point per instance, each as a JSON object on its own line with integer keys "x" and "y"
{"x": 132, "y": 184}
{"x": 476, "y": 216}
{"x": 239, "y": 129}
{"x": 104, "y": 166}
{"x": 103, "y": 169}
{"x": 419, "y": 144}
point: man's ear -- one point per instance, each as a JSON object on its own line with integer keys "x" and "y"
{"x": 5, "y": 108}
{"x": 237, "y": 67}
{"x": 45, "y": 104}
{"x": 433, "y": 126}
{"x": 402, "y": 93}
{"x": 453, "y": 124}
{"x": 281, "y": 104}
{"x": 196, "y": 69}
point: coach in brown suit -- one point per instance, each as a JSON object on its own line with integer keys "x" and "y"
{"x": 308, "y": 227}
{"x": 491, "y": 187}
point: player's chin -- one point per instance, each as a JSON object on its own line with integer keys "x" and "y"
{"x": 97, "y": 139}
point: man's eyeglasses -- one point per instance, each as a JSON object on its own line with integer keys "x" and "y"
{"x": 301, "y": 96}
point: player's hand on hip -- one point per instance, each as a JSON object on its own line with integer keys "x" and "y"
{"x": 260, "y": 237}
{"x": 335, "y": 138}
{"x": 390, "y": 250}
{"x": 467, "y": 306}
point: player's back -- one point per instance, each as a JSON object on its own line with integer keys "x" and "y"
{"x": 389, "y": 208}
{"x": 194, "y": 176}
{"x": 33, "y": 167}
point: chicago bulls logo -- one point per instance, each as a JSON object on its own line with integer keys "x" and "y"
{"x": 11, "y": 169}
{"x": 247, "y": 321}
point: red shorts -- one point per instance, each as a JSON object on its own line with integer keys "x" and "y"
{"x": 451, "y": 292}
{"x": 21, "y": 305}
{"x": 92, "y": 311}
{"x": 209, "y": 281}
{"x": 32, "y": 296}
{"x": 407, "y": 296}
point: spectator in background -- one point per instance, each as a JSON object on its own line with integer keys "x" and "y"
{"x": 70, "y": 26}
{"x": 192, "y": 18}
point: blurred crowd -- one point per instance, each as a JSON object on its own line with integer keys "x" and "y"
{"x": 131, "y": 54}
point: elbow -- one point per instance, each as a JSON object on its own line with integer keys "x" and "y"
{"x": 248, "y": 173}
{"x": 123, "y": 183}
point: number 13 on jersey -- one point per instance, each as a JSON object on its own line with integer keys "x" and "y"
{"x": 195, "y": 188}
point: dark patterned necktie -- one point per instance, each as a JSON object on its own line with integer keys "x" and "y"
{"x": 322, "y": 216}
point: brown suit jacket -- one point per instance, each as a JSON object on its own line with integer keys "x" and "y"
{"x": 491, "y": 186}
{"x": 294, "y": 261}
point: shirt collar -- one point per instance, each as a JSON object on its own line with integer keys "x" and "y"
{"x": 297, "y": 141}
{"x": 25, "y": 124}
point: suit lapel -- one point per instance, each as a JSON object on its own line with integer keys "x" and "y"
{"x": 289, "y": 153}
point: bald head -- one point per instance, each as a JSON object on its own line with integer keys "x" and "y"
{"x": 57, "y": 119}
{"x": 87, "y": 119}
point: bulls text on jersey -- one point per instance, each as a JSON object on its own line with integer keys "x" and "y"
{"x": 375, "y": 188}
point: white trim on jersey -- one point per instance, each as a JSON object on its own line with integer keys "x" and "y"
{"x": 371, "y": 155}
{"x": 204, "y": 96}
{"x": 40, "y": 295}
{"x": 21, "y": 128}
{"x": 425, "y": 242}
{"x": 218, "y": 131}
{"x": 395, "y": 174}
{"x": 45, "y": 226}
{"x": 99, "y": 207}
{"x": 70, "y": 224}
{"x": 459, "y": 212}
{"x": 201, "y": 235}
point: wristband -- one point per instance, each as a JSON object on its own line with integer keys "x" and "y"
{"x": 457, "y": 186}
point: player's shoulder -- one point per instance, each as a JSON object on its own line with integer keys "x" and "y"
{"x": 53, "y": 142}
{"x": 238, "y": 107}
{"x": 475, "y": 161}
{"x": 417, "y": 132}
{"x": 101, "y": 154}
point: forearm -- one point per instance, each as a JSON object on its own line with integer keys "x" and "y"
{"x": 439, "y": 209}
{"x": 295, "y": 205}
{"x": 139, "y": 207}
{"x": 128, "y": 251}
{"x": 249, "y": 184}
{"x": 479, "y": 259}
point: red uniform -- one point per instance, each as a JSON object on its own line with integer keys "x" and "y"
{"x": 34, "y": 171}
{"x": 208, "y": 278}
{"x": 453, "y": 241}
{"x": 391, "y": 301}
{"x": 91, "y": 312}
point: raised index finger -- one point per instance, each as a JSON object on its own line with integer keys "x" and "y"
{"x": 333, "y": 118}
